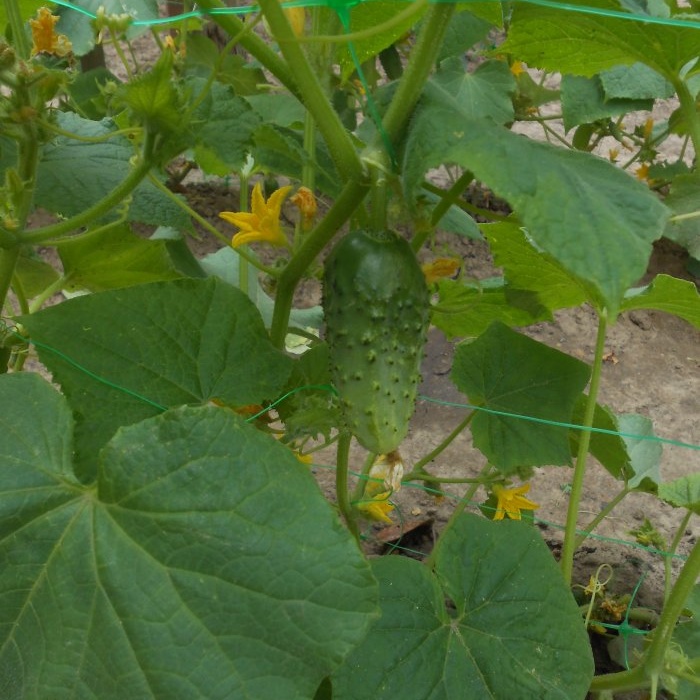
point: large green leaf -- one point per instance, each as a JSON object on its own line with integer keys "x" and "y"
{"x": 528, "y": 269}
{"x": 632, "y": 456}
{"x": 583, "y": 100}
{"x": 281, "y": 151}
{"x": 485, "y": 92}
{"x": 112, "y": 257}
{"x": 635, "y": 82}
{"x": 505, "y": 371}
{"x": 73, "y": 175}
{"x": 224, "y": 124}
{"x": 203, "y": 563}
{"x": 466, "y": 28}
{"x": 153, "y": 98}
{"x": 156, "y": 345}
{"x": 585, "y": 44}
{"x": 595, "y": 220}
{"x": 669, "y": 294}
{"x": 467, "y": 310}
{"x": 495, "y": 620}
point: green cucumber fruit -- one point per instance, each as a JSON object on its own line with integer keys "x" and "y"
{"x": 375, "y": 302}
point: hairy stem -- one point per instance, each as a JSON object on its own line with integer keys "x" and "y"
{"x": 417, "y": 471}
{"x": 689, "y": 110}
{"x": 254, "y": 44}
{"x": 569, "y": 547}
{"x": 672, "y": 550}
{"x": 610, "y": 506}
{"x": 417, "y": 70}
{"x": 338, "y": 140}
{"x": 19, "y": 37}
{"x": 115, "y": 197}
{"x": 341, "y": 484}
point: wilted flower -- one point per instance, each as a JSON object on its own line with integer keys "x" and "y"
{"x": 439, "y": 268}
{"x": 45, "y": 39}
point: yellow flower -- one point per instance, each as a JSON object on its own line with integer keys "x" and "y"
{"x": 511, "y": 501}
{"x": 517, "y": 68}
{"x": 439, "y": 268}
{"x": 263, "y": 223}
{"x": 377, "y": 507}
{"x": 44, "y": 36}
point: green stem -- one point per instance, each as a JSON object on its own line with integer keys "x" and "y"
{"x": 600, "y": 517}
{"x": 27, "y": 161}
{"x": 463, "y": 503}
{"x": 569, "y": 547}
{"x": 341, "y": 484}
{"x": 8, "y": 262}
{"x": 451, "y": 196}
{"x": 19, "y": 36}
{"x": 397, "y": 20}
{"x": 427, "y": 476}
{"x": 417, "y": 71}
{"x": 243, "y": 205}
{"x": 466, "y": 206}
{"x": 689, "y": 110}
{"x": 116, "y": 196}
{"x": 344, "y": 206}
{"x": 633, "y": 679}
{"x": 363, "y": 477}
{"x": 418, "y": 466}
{"x": 338, "y": 140}
{"x": 672, "y": 550}
{"x": 55, "y": 287}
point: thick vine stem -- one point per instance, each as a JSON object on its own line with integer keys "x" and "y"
{"x": 314, "y": 98}
{"x": 417, "y": 70}
{"x": 253, "y": 43}
{"x": 115, "y": 197}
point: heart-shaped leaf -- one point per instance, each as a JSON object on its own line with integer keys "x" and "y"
{"x": 504, "y": 371}
{"x": 495, "y": 620}
{"x": 126, "y": 354}
{"x": 203, "y": 563}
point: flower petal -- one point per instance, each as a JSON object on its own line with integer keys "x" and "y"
{"x": 274, "y": 203}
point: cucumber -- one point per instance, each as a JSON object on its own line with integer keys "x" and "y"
{"x": 375, "y": 302}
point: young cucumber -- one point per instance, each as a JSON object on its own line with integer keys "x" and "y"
{"x": 375, "y": 302}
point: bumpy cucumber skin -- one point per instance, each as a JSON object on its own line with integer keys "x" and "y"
{"x": 376, "y": 308}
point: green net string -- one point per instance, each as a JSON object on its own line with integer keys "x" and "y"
{"x": 343, "y": 7}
